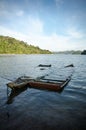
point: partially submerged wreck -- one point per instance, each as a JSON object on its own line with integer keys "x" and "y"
{"x": 54, "y": 85}
{"x": 40, "y": 83}
{"x": 44, "y": 65}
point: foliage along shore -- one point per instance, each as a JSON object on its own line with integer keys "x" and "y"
{"x": 71, "y": 52}
{"x": 84, "y": 52}
{"x": 9, "y": 45}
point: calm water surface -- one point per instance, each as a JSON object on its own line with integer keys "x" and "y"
{"x": 34, "y": 109}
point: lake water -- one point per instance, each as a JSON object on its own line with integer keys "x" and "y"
{"x": 34, "y": 109}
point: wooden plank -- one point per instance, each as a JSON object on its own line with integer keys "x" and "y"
{"x": 53, "y": 80}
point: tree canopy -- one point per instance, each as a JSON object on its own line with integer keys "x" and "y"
{"x": 84, "y": 52}
{"x": 9, "y": 45}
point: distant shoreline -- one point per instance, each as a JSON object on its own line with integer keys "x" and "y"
{"x": 24, "y": 54}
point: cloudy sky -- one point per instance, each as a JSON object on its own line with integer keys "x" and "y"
{"x": 56, "y": 25}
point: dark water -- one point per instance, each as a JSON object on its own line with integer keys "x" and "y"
{"x": 34, "y": 109}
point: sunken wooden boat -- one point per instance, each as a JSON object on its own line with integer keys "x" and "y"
{"x": 49, "y": 84}
{"x": 19, "y": 83}
{"x": 43, "y": 65}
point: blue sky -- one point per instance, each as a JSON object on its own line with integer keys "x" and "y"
{"x": 56, "y": 25}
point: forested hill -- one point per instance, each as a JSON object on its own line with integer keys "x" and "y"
{"x": 9, "y": 45}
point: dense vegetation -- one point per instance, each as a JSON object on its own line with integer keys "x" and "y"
{"x": 9, "y": 45}
{"x": 69, "y": 52}
{"x": 84, "y": 52}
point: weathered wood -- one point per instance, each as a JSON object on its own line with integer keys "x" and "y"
{"x": 71, "y": 65}
{"x": 42, "y": 65}
{"x": 49, "y": 84}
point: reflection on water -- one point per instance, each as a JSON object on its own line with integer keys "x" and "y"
{"x": 14, "y": 93}
{"x": 34, "y": 109}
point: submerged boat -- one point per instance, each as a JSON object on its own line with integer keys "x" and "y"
{"x": 19, "y": 83}
{"x": 43, "y": 65}
{"x": 49, "y": 84}
{"x": 40, "y": 82}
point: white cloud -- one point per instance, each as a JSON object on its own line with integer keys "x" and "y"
{"x": 7, "y": 32}
{"x": 30, "y": 26}
{"x": 34, "y": 26}
{"x": 74, "y": 33}
{"x": 20, "y": 13}
{"x": 54, "y": 42}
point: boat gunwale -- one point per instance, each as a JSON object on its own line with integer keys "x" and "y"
{"x": 40, "y": 84}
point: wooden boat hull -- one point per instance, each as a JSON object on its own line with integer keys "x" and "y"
{"x": 13, "y": 85}
{"x": 19, "y": 83}
{"x": 41, "y": 85}
{"x": 53, "y": 85}
{"x": 42, "y": 65}
{"x": 49, "y": 86}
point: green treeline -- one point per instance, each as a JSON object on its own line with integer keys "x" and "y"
{"x": 9, "y": 45}
{"x": 69, "y": 52}
{"x": 84, "y": 52}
